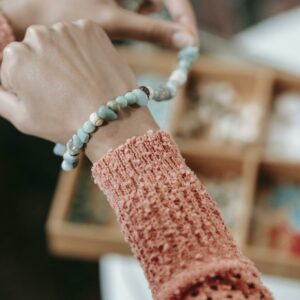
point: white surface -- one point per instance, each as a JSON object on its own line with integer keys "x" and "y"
{"x": 123, "y": 279}
{"x": 275, "y": 41}
{"x": 283, "y": 289}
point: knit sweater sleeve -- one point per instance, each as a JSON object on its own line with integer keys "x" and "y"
{"x": 172, "y": 225}
{"x": 6, "y": 33}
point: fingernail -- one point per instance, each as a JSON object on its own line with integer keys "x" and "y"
{"x": 182, "y": 39}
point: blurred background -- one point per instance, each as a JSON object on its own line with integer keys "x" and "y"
{"x": 248, "y": 77}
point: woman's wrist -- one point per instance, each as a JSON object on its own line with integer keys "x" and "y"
{"x": 134, "y": 122}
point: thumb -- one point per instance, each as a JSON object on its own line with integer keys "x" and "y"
{"x": 9, "y": 105}
{"x": 139, "y": 27}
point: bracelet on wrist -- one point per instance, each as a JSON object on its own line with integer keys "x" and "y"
{"x": 138, "y": 97}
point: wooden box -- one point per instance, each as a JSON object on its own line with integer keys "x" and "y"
{"x": 250, "y": 165}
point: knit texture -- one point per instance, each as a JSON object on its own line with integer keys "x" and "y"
{"x": 6, "y": 34}
{"x": 172, "y": 225}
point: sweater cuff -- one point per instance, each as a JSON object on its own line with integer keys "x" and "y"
{"x": 6, "y": 33}
{"x": 122, "y": 169}
{"x": 172, "y": 225}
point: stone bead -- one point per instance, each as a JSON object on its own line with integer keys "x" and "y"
{"x": 163, "y": 93}
{"x": 142, "y": 98}
{"x": 70, "y": 158}
{"x": 171, "y": 90}
{"x": 95, "y": 120}
{"x": 131, "y": 98}
{"x": 77, "y": 141}
{"x": 66, "y": 166}
{"x": 184, "y": 65}
{"x": 148, "y": 91}
{"x": 84, "y": 137}
{"x": 179, "y": 75}
{"x": 89, "y": 127}
{"x": 113, "y": 105}
{"x": 173, "y": 83}
{"x": 151, "y": 92}
{"x": 122, "y": 101}
{"x": 145, "y": 90}
{"x": 72, "y": 148}
{"x": 173, "y": 87}
{"x": 107, "y": 114}
{"x": 190, "y": 53}
{"x": 59, "y": 149}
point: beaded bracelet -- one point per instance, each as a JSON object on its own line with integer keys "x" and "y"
{"x": 138, "y": 97}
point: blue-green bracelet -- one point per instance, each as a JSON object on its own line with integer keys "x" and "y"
{"x": 138, "y": 97}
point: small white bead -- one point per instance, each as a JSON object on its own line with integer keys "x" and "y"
{"x": 95, "y": 120}
{"x": 59, "y": 149}
{"x": 179, "y": 76}
{"x": 66, "y": 166}
{"x": 151, "y": 91}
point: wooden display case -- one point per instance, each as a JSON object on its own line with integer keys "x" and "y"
{"x": 89, "y": 240}
{"x": 273, "y": 257}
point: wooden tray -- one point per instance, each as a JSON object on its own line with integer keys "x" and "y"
{"x": 89, "y": 241}
{"x": 282, "y": 261}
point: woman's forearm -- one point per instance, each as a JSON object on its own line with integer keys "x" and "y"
{"x": 172, "y": 225}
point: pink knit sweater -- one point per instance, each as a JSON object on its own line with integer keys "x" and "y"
{"x": 172, "y": 225}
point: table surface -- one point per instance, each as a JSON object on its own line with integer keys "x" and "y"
{"x": 125, "y": 273}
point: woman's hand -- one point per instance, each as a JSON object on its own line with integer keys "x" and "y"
{"x": 58, "y": 76}
{"x": 116, "y": 21}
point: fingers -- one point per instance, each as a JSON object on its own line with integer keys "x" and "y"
{"x": 35, "y": 35}
{"x": 182, "y": 13}
{"x": 14, "y": 56}
{"x": 9, "y": 105}
{"x": 134, "y": 26}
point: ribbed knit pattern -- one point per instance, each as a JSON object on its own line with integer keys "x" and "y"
{"x": 6, "y": 33}
{"x": 172, "y": 225}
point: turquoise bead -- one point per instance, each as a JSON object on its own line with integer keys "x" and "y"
{"x": 184, "y": 64}
{"x": 131, "y": 98}
{"x": 173, "y": 84}
{"x": 122, "y": 101}
{"x": 59, "y": 149}
{"x": 113, "y": 105}
{"x": 157, "y": 95}
{"x": 163, "y": 93}
{"x": 189, "y": 53}
{"x": 66, "y": 166}
{"x": 89, "y": 127}
{"x": 84, "y": 137}
{"x": 76, "y": 141}
{"x": 107, "y": 114}
{"x": 142, "y": 98}
{"x": 72, "y": 149}
{"x": 171, "y": 91}
{"x": 70, "y": 158}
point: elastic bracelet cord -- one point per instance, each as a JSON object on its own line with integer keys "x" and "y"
{"x": 138, "y": 97}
